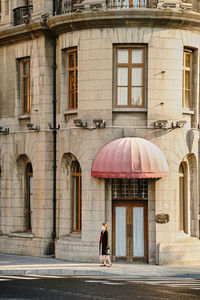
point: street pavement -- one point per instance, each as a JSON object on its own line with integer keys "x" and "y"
{"x": 25, "y": 265}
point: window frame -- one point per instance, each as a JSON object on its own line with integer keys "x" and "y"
{"x": 79, "y": 216}
{"x": 182, "y": 199}
{"x": 74, "y": 70}
{"x": 29, "y": 174}
{"x": 190, "y": 70}
{"x": 130, "y": 65}
{"x": 25, "y": 77}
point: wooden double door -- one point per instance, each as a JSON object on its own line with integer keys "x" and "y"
{"x": 130, "y": 230}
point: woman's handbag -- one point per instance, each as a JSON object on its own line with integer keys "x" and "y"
{"x": 107, "y": 251}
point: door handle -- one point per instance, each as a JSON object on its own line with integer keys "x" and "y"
{"x": 129, "y": 230}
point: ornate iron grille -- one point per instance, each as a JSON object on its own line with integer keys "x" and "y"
{"x": 130, "y": 188}
{"x": 20, "y": 12}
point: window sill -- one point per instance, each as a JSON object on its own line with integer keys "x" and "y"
{"x": 24, "y": 117}
{"x": 130, "y": 109}
{"x": 73, "y": 235}
{"x": 22, "y": 234}
{"x": 187, "y": 112}
{"x": 70, "y": 112}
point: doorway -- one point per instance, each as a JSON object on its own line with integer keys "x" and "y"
{"x": 130, "y": 231}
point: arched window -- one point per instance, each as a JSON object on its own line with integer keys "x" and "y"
{"x": 29, "y": 196}
{"x": 182, "y": 198}
{"x": 76, "y": 196}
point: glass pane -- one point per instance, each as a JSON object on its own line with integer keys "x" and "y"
{"x": 124, "y": 187}
{"x": 25, "y": 68}
{"x": 77, "y": 198}
{"x": 76, "y": 57}
{"x": 122, "y": 76}
{"x": 122, "y": 55}
{"x": 181, "y": 204}
{"x": 71, "y": 60}
{"x": 120, "y": 231}
{"x": 187, "y": 59}
{"x": 134, "y": 187}
{"x": 138, "y": 231}
{"x": 115, "y": 188}
{"x": 122, "y": 96}
{"x": 143, "y": 188}
{"x": 74, "y": 201}
{"x": 187, "y": 79}
{"x": 137, "y": 56}
{"x": 76, "y": 104}
{"x": 137, "y": 76}
{"x": 71, "y": 90}
{"x": 25, "y": 104}
{"x": 31, "y": 201}
{"x": 25, "y": 86}
{"x": 187, "y": 99}
{"x": 136, "y": 98}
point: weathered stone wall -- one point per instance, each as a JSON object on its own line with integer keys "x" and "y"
{"x": 164, "y": 101}
{"x": 95, "y": 87}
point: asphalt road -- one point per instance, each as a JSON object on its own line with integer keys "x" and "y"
{"x": 98, "y": 288}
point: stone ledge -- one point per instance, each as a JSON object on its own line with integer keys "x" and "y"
{"x": 124, "y": 109}
{"x": 21, "y": 234}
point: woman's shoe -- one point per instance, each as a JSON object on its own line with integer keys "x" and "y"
{"x": 109, "y": 265}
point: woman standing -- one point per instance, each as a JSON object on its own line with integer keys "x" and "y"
{"x": 103, "y": 247}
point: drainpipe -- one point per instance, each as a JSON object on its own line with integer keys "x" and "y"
{"x": 54, "y": 7}
{"x": 54, "y": 144}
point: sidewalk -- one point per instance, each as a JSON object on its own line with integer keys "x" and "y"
{"x": 26, "y": 265}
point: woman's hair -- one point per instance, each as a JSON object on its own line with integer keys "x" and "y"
{"x": 105, "y": 225}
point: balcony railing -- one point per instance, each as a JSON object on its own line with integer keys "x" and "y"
{"x": 70, "y": 6}
{"x": 22, "y": 14}
{"x": 132, "y": 3}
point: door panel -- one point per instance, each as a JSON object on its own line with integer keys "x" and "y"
{"x": 120, "y": 231}
{"x": 138, "y": 231}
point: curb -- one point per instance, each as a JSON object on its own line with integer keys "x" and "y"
{"x": 64, "y": 272}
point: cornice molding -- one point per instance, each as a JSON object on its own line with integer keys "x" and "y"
{"x": 102, "y": 19}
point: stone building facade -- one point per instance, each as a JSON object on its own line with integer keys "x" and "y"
{"x": 75, "y": 77}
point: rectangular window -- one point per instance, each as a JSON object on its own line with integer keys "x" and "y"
{"x": 29, "y": 196}
{"x": 76, "y": 197}
{"x": 182, "y": 199}
{"x": 72, "y": 78}
{"x": 25, "y": 85}
{"x": 130, "y": 77}
{"x": 187, "y": 78}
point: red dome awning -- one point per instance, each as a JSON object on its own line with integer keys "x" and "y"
{"x": 130, "y": 157}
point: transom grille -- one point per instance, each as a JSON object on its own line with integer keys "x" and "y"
{"x": 129, "y": 188}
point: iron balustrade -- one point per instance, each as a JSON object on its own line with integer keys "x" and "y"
{"x": 67, "y": 6}
{"x": 20, "y": 12}
{"x": 70, "y": 6}
{"x": 132, "y": 3}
